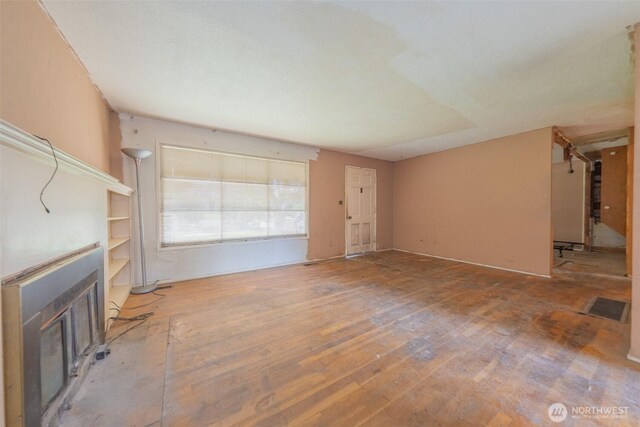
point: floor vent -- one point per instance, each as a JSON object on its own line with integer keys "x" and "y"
{"x": 607, "y": 309}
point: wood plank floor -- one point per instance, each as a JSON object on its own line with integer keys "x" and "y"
{"x": 387, "y": 339}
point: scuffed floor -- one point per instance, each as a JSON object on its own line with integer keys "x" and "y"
{"x": 596, "y": 262}
{"x": 385, "y": 339}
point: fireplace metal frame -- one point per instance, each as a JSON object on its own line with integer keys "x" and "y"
{"x": 33, "y": 303}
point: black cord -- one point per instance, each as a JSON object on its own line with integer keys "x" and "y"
{"x": 52, "y": 175}
{"x": 126, "y": 330}
{"x": 142, "y": 316}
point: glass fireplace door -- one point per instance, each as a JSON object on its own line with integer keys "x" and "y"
{"x": 83, "y": 313}
{"x": 64, "y": 342}
{"x": 54, "y": 355}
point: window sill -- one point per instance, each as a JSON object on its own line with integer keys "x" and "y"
{"x": 232, "y": 242}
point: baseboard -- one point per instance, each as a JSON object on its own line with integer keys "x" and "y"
{"x": 325, "y": 259}
{"x": 633, "y": 358}
{"x": 476, "y": 263}
{"x": 345, "y": 255}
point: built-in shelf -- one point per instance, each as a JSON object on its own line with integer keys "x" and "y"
{"x": 119, "y": 294}
{"x": 115, "y": 265}
{"x": 119, "y": 269}
{"x": 117, "y": 297}
{"x": 114, "y": 242}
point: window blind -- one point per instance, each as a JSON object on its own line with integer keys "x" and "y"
{"x": 213, "y": 197}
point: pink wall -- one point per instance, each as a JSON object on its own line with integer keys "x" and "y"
{"x": 486, "y": 203}
{"x": 327, "y": 217}
{"x": 45, "y": 90}
{"x": 634, "y": 351}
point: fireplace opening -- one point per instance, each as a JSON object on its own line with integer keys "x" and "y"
{"x": 54, "y": 323}
{"x": 52, "y": 361}
{"x": 64, "y": 342}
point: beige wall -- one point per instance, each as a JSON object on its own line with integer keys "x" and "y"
{"x": 486, "y": 203}
{"x": 327, "y": 216}
{"x": 634, "y": 351}
{"x": 567, "y": 201}
{"x": 45, "y": 90}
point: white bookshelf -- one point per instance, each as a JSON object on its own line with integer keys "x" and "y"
{"x": 118, "y": 270}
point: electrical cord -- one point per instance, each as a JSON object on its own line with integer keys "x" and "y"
{"x": 142, "y": 316}
{"x": 162, "y": 296}
{"x": 52, "y": 175}
{"x": 126, "y": 330}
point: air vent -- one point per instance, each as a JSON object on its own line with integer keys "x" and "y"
{"x": 606, "y": 308}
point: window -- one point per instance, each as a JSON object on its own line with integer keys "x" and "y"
{"x": 213, "y": 197}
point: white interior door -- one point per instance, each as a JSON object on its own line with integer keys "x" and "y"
{"x": 360, "y": 210}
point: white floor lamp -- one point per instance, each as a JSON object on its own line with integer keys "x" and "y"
{"x": 137, "y": 154}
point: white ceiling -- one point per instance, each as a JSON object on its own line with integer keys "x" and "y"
{"x": 389, "y": 80}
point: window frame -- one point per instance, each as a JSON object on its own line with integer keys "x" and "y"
{"x": 208, "y": 243}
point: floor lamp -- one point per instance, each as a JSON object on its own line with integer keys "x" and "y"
{"x": 137, "y": 154}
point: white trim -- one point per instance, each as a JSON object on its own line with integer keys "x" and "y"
{"x": 633, "y": 358}
{"x": 226, "y": 153}
{"x": 157, "y": 175}
{"x": 17, "y": 139}
{"x": 476, "y": 263}
{"x": 347, "y": 256}
{"x": 326, "y": 259}
{"x": 230, "y": 242}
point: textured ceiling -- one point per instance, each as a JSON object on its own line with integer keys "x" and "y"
{"x": 389, "y": 80}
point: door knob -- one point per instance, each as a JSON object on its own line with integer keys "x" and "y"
{"x": 349, "y": 217}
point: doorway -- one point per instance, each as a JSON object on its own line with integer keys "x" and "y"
{"x": 360, "y": 210}
{"x": 590, "y": 199}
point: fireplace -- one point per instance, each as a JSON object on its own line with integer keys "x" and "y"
{"x": 54, "y": 321}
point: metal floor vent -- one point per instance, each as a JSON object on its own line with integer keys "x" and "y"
{"x": 607, "y": 309}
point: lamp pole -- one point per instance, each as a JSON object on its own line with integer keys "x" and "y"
{"x": 137, "y": 154}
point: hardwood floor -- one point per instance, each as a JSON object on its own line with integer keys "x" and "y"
{"x": 386, "y": 339}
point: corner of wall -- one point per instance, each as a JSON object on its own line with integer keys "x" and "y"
{"x": 634, "y": 350}
{"x": 39, "y": 74}
{"x": 115, "y": 143}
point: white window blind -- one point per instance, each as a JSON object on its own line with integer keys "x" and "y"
{"x": 212, "y": 197}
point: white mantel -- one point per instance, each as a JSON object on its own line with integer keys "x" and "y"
{"x": 76, "y": 198}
